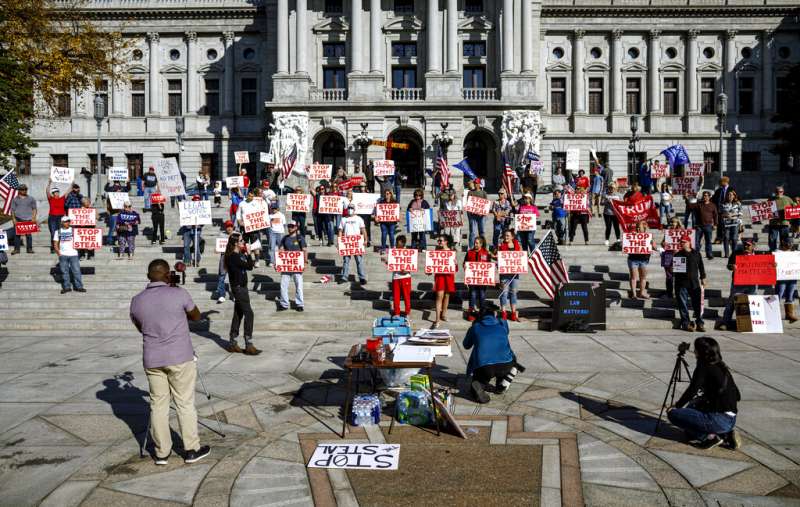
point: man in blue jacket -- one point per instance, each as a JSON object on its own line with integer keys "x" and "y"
{"x": 491, "y": 357}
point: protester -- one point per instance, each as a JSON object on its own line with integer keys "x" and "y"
{"x": 526, "y": 207}
{"x": 369, "y": 176}
{"x": 237, "y": 263}
{"x": 367, "y": 217}
{"x": 665, "y": 209}
{"x": 666, "y": 261}
{"x": 609, "y": 217}
{"x": 707, "y": 410}
{"x": 87, "y": 253}
{"x": 387, "y": 228}
{"x": 56, "y": 203}
{"x": 644, "y": 179}
{"x": 418, "y": 239}
{"x": 786, "y": 289}
{"x": 475, "y": 221}
{"x": 401, "y": 286}
{"x": 160, "y": 313}
{"x": 582, "y": 181}
{"x": 157, "y": 219}
{"x": 250, "y": 205}
{"x": 451, "y": 202}
{"x": 509, "y": 283}
{"x": 218, "y": 194}
{"x": 689, "y": 286}
{"x": 719, "y": 198}
{"x": 502, "y": 211}
{"x": 352, "y": 225}
{"x": 68, "y": 262}
{"x": 150, "y": 181}
{"x": 477, "y": 293}
{"x": 633, "y": 195}
{"x": 235, "y": 195}
{"x": 73, "y": 199}
{"x": 202, "y": 185}
{"x": 731, "y": 216}
{"x": 127, "y": 229}
{"x": 779, "y": 226}
{"x": 597, "y": 189}
{"x": 277, "y": 229}
{"x": 530, "y": 180}
{"x": 491, "y": 357}
{"x": 728, "y": 322}
{"x": 637, "y": 268}
{"x": 23, "y": 209}
{"x": 690, "y": 215}
{"x": 246, "y": 186}
{"x": 580, "y": 217}
{"x": 559, "y": 216}
{"x": 707, "y": 214}
{"x": 444, "y": 284}
{"x": 293, "y": 242}
{"x": 222, "y": 272}
{"x": 397, "y": 182}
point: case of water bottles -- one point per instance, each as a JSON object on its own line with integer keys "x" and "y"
{"x": 366, "y": 410}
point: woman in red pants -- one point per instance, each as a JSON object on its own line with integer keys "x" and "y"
{"x": 401, "y": 285}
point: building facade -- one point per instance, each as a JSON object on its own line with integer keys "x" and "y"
{"x": 405, "y": 70}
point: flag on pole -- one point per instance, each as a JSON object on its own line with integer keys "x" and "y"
{"x": 676, "y": 155}
{"x": 444, "y": 168}
{"x": 508, "y": 177}
{"x": 289, "y": 161}
{"x": 464, "y": 167}
{"x": 547, "y": 265}
{"x": 8, "y": 190}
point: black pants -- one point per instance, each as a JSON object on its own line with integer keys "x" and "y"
{"x": 367, "y": 226}
{"x": 241, "y": 308}
{"x": 485, "y": 374}
{"x": 158, "y": 227}
{"x": 610, "y": 221}
{"x": 28, "y": 242}
{"x": 574, "y": 220}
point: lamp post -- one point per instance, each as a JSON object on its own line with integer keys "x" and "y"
{"x": 722, "y": 113}
{"x": 632, "y": 147}
{"x": 362, "y": 141}
{"x": 99, "y": 116}
{"x": 444, "y": 140}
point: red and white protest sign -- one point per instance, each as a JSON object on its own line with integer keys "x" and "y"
{"x": 622, "y": 182}
{"x": 255, "y": 220}
{"x": 450, "y": 219}
{"x": 402, "y": 259}
{"x": 241, "y": 157}
{"x": 694, "y": 169}
{"x": 86, "y": 238}
{"x": 673, "y": 238}
{"x": 683, "y": 184}
{"x": 383, "y": 167}
{"x": 576, "y": 201}
{"x": 631, "y": 214}
{"x": 330, "y": 204}
{"x": 477, "y": 205}
{"x": 157, "y": 199}
{"x": 234, "y": 181}
{"x": 221, "y": 244}
{"x": 351, "y": 245}
{"x": 755, "y": 270}
{"x": 791, "y": 212}
{"x": 319, "y": 171}
{"x": 525, "y": 222}
{"x": 479, "y": 273}
{"x": 300, "y": 203}
{"x": 764, "y": 210}
{"x": 290, "y": 261}
{"x": 637, "y": 243}
{"x": 25, "y": 228}
{"x": 354, "y": 181}
{"x": 659, "y": 170}
{"x": 82, "y": 217}
{"x": 512, "y": 262}
{"x": 440, "y": 262}
{"x": 387, "y": 212}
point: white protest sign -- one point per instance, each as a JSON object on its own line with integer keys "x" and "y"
{"x": 241, "y": 157}
{"x": 169, "y": 177}
{"x": 383, "y": 167}
{"x": 330, "y": 205}
{"x": 364, "y": 202}
{"x": 788, "y": 265}
{"x": 693, "y": 169}
{"x": 290, "y": 261}
{"x": 356, "y": 456}
{"x": 117, "y": 174}
{"x": 764, "y": 210}
{"x": 477, "y": 205}
{"x": 351, "y": 245}
{"x": 221, "y": 244}
{"x": 637, "y": 243}
{"x": 536, "y": 167}
{"x": 234, "y": 181}
{"x": 300, "y": 203}
{"x": 319, "y": 171}
{"x": 524, "y": 222}
{"x": 673, "y": 238}
{"x": 420, "y": 220}
{"x": 402, "y": 259}
{"x": 576, "y": 201}
{"x": 63, "y": 175}
{"x": 195, "y": 212}
{"x": 255, "y": 220}
{"x": 479, "y": 273}
{"x": 659, "y": 170}
{"x": 3, "y": 240}
{"x": 82, "y": 217}
{"x": 387, "y": 212}
{"x": 87, "y": 238}
{"x": 683, "y": 184}
{"x": 679, "y": 264}
{"x": 440, "y": 262}
{"x": 117, "y": 199}
{"x": 573, "y": 159}
{"x": 266, "y": 158}
{"x": 512, "y": 262}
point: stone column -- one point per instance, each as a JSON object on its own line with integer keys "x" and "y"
{"x": 527, "y": 37}
{"x": 229, "y": 89}
{"x": 116, "y": 98}
{"x": 767, "y": 83}
{"x": 508, "y": 36}
{"x": 452, "y": 36}
{"x": 283, "y": 36}
{"x": 434, "y": 41}
{"x": 578, "y": 95}
{"x": 728, "y": 68}
{"x": 155, "y": 77}
{"x": 691, "y": 71}
{"x": 654, "y": 86}
{"x": 191, "y": 72}
{"x": 375, "y": 38}
{"x": 301, "y": 37}
{"x": 618, "y": 97}
{"x": 356, "y": 37}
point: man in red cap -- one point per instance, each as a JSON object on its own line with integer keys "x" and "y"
{"x": 689, "y": 275}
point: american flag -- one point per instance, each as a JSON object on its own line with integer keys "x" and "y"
{"x": 508, "y": 177}
{"x": 289, "y": 161}
{"x": 8, "y": 190}
{"x": 547, "y": 265}
{"x": 444, "y": 168}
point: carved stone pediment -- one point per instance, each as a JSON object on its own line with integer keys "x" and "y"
{"x": 673, "y": 66}
{"x": 709, "y": 67}
{"x": 173, "y": 69}
{"x": 138, "y": 69}
{"x": 634, "y": 67}
{"x": 403, "y": 24}
{"x": 476, "y": 23}
{"x": 249, "y": 67}
{"x": 602, "y": 66}
{"x": 331, "y": 25}
{"x": 211, "y": 68}
{"x": 559, "y": 66}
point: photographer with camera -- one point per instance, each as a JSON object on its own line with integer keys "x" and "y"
{"x": 161, "y": 313}
{"x": 707, "y": 410}
{"x": 237, "y": 263}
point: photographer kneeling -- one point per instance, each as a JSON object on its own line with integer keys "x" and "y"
{"x": 708, "y": 419}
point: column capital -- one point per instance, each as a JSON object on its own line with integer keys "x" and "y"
{"x": 692, "y": 34}
{"x": 190, "y": 37}
{"x": 579, "y": 34}
{"x": 654, "y": 34}
{"x": 616, "y": 34}
{"x": 731, "y": 34}
{"x": 228, "y": 37}
{"x": 152, "y": 37}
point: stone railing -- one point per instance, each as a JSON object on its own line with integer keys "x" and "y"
{"x": 406, "y": 94}
{"x": 329, "y": 94}
{"x": 477, "y": 94}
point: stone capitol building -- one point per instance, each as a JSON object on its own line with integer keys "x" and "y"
{"x": 405, "y": 70}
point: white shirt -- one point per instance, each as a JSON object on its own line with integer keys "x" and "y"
{"x": 352, "y": 225}
{"x": 248, "y": 207}
{"x": 277, "y": 222}
{"x": 65, "y": 238}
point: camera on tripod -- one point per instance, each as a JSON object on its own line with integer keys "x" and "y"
{"x": 675, "y": 378}
{"x": 683, "y": 348}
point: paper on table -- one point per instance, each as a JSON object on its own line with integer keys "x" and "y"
{"x": 412, "y": 354}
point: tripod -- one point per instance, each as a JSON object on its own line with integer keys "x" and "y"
{"x": 673, "y": 381}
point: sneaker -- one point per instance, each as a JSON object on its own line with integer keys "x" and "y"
{"x": 478, "y": 392}
{"x": 708, "y": 443}
{"x": 363, "y": 281}
{"x": 435, "y": 325}
{"x": 30, "y": 251}
{"x": 700, "y": 328}
{"x": 606, "y": 243}
{"x": 732, "y": 440}
{"x": 282, "y": 309}
{"x": 80, "y": 290}
{"x": 161, "y": 461}
{"x": 64, "y": 291}
{"x": 195, "y": 456}
{"x": 221, "y": 299}
{"x": 300, "y": 309}
{"x": 251, "y": 350}
{"x": 503, "y": 315}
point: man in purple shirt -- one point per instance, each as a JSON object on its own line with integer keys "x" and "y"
{"x": 161, "y": 313}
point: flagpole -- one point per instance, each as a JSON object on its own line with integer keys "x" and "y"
{"x": 530, "y": 254}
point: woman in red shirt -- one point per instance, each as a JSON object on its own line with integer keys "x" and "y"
{"x": 444, "y": 283}
{"x": 509, "y": 283}
{"x": 477, "y": 293}
{"x": 56, "y": 202}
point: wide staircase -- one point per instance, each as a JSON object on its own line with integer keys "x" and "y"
{"x": 32, "y": 303}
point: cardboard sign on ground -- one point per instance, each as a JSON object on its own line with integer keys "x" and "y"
{"x": 440, "y": 262}
{"x": 82, "y": 217}
{"x": 356, "y": 456}
{"x": 402, "y": 259}
{"x": 480, "y": 273}
{"x": 758, "y": 314}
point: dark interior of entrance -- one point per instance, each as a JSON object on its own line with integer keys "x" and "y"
{"x": 479, "y": 150}
{"x": 408, "y": 162}
{"x": 330, "y": 149}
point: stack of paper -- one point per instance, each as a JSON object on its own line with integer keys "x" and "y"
{"x": 412, "y": 354}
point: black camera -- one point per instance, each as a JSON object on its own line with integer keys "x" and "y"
{"x": 683, "y": 348}
{"x": 174, "y": 279}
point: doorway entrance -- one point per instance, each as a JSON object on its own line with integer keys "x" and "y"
{"x": 408, "y": 162}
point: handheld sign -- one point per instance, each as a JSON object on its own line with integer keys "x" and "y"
{"x": 117, "y": 174}
{"x": 788, "y": 265}
{"x": 450, "y": 219}
{"x": 576, "y": 201}
{"x": 157, "y": 199}
{"x": 241, "y": 157}
{"x": 477, "y": 205}
{"x": 683, "y": 184}
{"x": 419, "y": 220}
{"x": 3, "y": 240}
{"x": 356, "y": 456}
{"x": 330, "y": 204}
{"x": 383, "y": 167}
{"x": 266, "y": 158}
{"x": 673, "y": 238}
{"x": 536, "y": 167}
{"x": 694, "y": 169}
{"x": 387, "y": 212}
{"x": 764, "y": 210}
{"x": 439, "y": 262}
{"x": 298, "y": 203}
{"x": 659, "y": 170}
{"x": 679, "y": 264}
{"x": 221, "y": 244}
{"x": 234, "y": 181}
{"x": 351, "y": 245}
{"x": 525, "y": 222}
{"x": 25, "y": 228}
{"x": 289, "y": 261}
{"x": 195, "y": 212}
{"x": 169, "y": 177}
{"x": 255, "y": 220}
{"x": 63, "y": 175}
{"x": 758, "y": 314}
{"x": 82, "y": 217}
{"x": 791, "y": 212}
{"x": 573, "y": 159}
{"x": 319, "y": 171}
{"x": 117, "y": 200}
{"x": 479, "y": 273}
{"x": 637, "y": 243}
{"x": 512, "y": 262}
{"x": 755, "y": 270}
{"x": 402, "y": 259}
{"x": 87, "y": 238}
{"x": 364, "y": 202}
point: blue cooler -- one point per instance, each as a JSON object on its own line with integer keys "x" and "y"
{"x": 388, "y": 327}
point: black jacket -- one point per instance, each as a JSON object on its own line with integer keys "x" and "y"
{"x": 719, "y": 198}
{"x": 695, "y": 271}
{"x": 719, "y": 391}
{"x": 237, "y": 265}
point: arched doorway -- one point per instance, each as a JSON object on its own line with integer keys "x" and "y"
{"x": 408, "y": 162}
{"x": 329, "y": 148}
{"x": 480, "y": 150}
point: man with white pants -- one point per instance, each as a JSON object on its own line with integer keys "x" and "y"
{"x": 292, "y": 242}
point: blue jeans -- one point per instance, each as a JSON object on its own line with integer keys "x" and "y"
{"x": 327, "y": 228}
{"x": 730, "y": 239}
{"x": 70, "y": 266}
{"x": 53, "y": 224}
{"x": 665, "y": 210}
{"x": 477, "y": 295}
{"x": 497, "y": 231}
{"x": 698, "y": 424}
{"x": 785, "y": 290}
{"x": 525, "y": 239}
{"x": 727, "y": 316}
{"x": 684, "y": 296}
{"x": 688, "y": 216}
{"x": 297, "y": 278}
{"x": 274, "y": 240}
{"x": 300, "y": 218}
{"x": 475, "y": 225}
{"x": 510, "y": 289}
{"x": 705, "y": 231}
{"x": 112, "y": 226}
{"x": 776, "y": 235}
{"x": 419, "y": 240}
{"x": 188, "y": 240}
{"x": 387, "y": 229}
{"x": 560, "y": 225}
{"x": 148, "y": 191}
{"x": 359, "y": 267}
{"x": 221, "y": 291}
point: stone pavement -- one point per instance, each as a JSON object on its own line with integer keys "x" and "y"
{"x": 71, "y": 421}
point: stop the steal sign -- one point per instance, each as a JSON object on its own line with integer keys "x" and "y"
{"x": 356, "y": 456}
